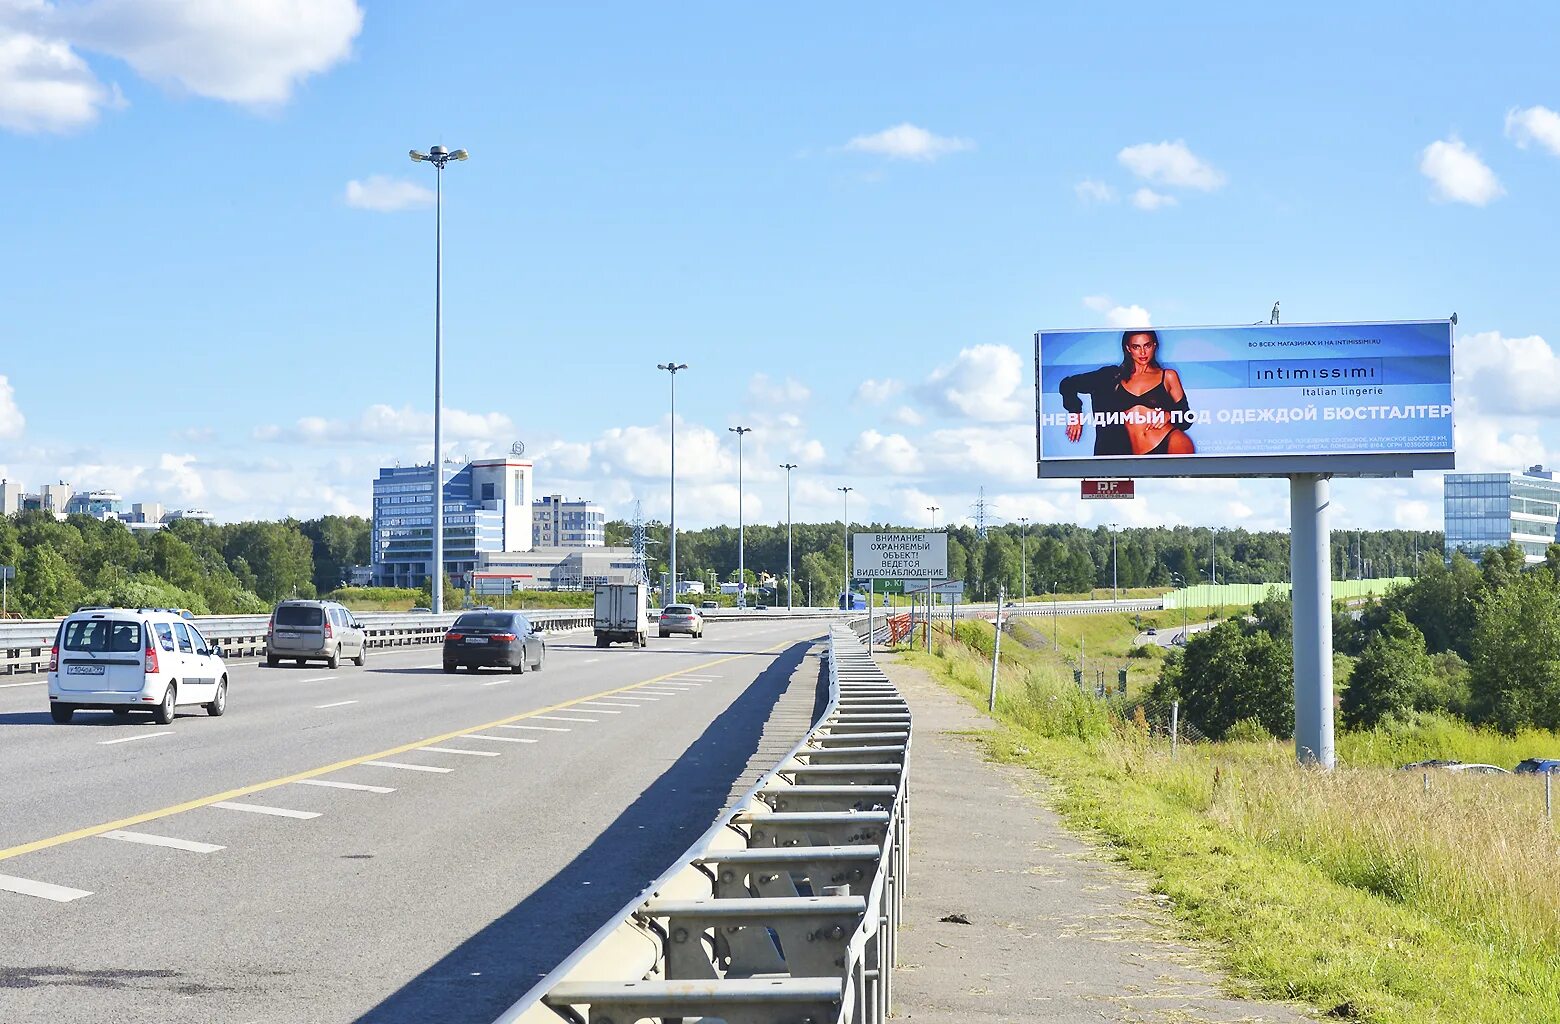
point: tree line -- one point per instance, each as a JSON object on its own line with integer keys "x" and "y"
{"x": 1480, "y": 642}
{"x": 1045, "y": 557}
{"x": 239, "y": 568}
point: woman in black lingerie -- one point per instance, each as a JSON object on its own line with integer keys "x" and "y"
{"x": 1145, "y": 395}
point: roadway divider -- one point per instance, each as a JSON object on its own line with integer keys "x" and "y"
{"x": 788, "y": 908}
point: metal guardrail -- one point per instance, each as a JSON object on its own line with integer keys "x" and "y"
{"x": 24, "y": 647}
{"x": 787, "y": 909}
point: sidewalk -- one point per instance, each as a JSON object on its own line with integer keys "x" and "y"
{"x": 1056, "y": 933}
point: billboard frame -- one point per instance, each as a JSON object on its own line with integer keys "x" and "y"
{"x": 1348, "y": 464}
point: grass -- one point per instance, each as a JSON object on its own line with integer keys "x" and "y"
{"x": 1355, "y": 891}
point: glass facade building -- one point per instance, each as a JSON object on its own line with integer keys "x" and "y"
{"x": 1483, "y": 510}
{"x": 482, "y": 503}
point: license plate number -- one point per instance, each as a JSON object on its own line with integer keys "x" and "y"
{"x": 476, "y": 639}
{"x": 83, "y": 670}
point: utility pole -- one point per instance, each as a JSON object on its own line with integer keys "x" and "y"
{"x": 672, "y": 368}
{"x": 846, "y": 526}
{"x": 1023, "y": 559}
{"x": 933, "y": 510}
{"x": 1114, "y": 596}
{"x": 996, "y": 653}
{"x": 789, "y": 578}
{"x": 741, "y": 527}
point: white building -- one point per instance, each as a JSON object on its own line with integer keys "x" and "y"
{"x": 10, "y": 497}
{"x": 567, "y": 524}
{"x": 553, "y": 568}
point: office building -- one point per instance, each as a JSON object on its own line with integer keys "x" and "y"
{"x": 145, "y": 513}
{"x": 102, "y": 505}
{"x": 553, "y": 568}
{"x": 10, "y": 497}
{"x": 487, "y": 508}
{"x": 567, "y": 524}
{"x": 1484, "y": 510}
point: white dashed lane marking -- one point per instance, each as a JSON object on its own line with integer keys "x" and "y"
{"x": 338, "y": 704}
{"x": 346, "y": 785}
{"x": 319, "y": 679}
{"x": 146, "y": 839}
{"x": 457, "y": 750}
{"x": 561, "y": 718}
{"x": 603, "y": 704}
{"x": 279, "y": 812}
{"x": 408, "y": 767}
{"x": 544, "y": 728}
{"x": 499, "y": 739}
{"x": 42, "y": 890}
{"x": 141, "y": 736}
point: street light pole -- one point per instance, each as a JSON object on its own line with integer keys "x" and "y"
{"x": 1023, "y": 558}
{"x": 789, "y": 582}
{"x": 438, "y": 156}
{"x": 672, "y": 367}
{"x": 1113, "y": 595}
{"x": 741, "y": 534}
{"x": 846, "y": 491}
{"x": 933, "y": 510}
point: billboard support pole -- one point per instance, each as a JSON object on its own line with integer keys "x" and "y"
{"x": 1310, "y": 565}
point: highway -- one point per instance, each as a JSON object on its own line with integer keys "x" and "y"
{"x": 377, "y": 844}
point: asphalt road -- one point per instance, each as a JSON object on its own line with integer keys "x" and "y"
{"x": 262, "y": 867}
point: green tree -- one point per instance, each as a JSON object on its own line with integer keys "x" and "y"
{"x": 174, "y": 560}
{"x": 1390, "y": 676}
{"x": 280, "y": 556}
{"x": 1515, "y": 676}
{"x": 45, "y": 584}
{"x": 1223, "y": 676}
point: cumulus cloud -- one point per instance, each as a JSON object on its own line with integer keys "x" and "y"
{"x": 875, "y": 391}
{"x": 1509, "y": 376}
{"x": 254, "y": 52}
{"x": 1148, "y": 199}
{"x": 772, "y": 392}
{"x": 907, "y": 416}
{"x": 380, "y": 423}
{"x": 387, "y": 195}
{"x": 908, "y": 142}
{"x": 1117, "y": 316}
{"x": 884, "y": 454}
{"x": 12, "y": 422}
{"x": 1458, "y": 175}
{"x": 984, "y": 382}
{"x": 1534, "y": 124}
{"x": 1090, "y": 191}
{"x": 1172, "y": 164}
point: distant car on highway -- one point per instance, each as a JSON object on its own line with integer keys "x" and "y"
{"x": 420, "y": 611}
{"x": 1151, "y": 631}
{"x": 493, "y": 640}
{"x": 760, "y": 607}
{"x": 308, "y": 631}
{"x": 1538, "y": 766}
{"x": 1462, "y": 767}
{"x": 681, "y": 618}
{"x": 709, "y": 604}
{"x": 124, "y": 660}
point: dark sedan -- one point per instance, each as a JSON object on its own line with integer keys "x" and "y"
{"x": 494, "y": 640}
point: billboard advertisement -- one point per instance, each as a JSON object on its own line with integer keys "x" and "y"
{"x": 1266, "y": 399}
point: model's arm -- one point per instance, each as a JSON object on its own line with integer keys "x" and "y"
{"x": 1084, "y": 383}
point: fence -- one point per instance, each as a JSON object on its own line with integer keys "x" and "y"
{"x": 1206, "y": 596}
{"x": 787, "y": 909}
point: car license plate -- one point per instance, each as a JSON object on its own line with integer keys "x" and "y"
{"x": 83, "y": 670}
{"x": 476, "y": 639}
{"x": 288, "y": 635}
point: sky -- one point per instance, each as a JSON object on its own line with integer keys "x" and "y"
{"x": 848, "y": 220}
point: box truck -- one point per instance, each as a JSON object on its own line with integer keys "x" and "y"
{"x": 622, "y": 614}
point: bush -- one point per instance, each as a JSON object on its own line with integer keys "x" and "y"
{"x": 1248, "y": 730}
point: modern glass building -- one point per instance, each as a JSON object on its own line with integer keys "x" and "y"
{"x": 487, "y": 507}
{"x": 1485, "y": 510}
{"x": 567, "y": 524}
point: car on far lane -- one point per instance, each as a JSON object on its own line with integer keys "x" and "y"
{"x": 709, "y": 604}
{"x": 1538, "y": 766}
{"x": 493, "y": 639}
{"x": 420, "y": 611}
{"x": 681, "y": 618}
{"x": 1477, "y": 769}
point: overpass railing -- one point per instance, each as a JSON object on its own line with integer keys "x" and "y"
{"x": 787, "y": 909}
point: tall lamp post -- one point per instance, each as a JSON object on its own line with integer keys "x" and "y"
{"x": 741, "y": 535}
{"x": 933, "y": 510}
{"x": 672, "y": 368}
{"x": 1023, "y": 558}
{"x": 789, "y": 581}
{"x": 846, "y": 491}
{"x": 1113, "y": 595}
{"x": 438, "y": 156}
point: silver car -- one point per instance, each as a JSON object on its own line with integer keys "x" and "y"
{"x": 314, "y": 631}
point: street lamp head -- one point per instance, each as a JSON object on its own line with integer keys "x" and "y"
{"x": 438, "y": 151}
{"x": 419, "y": 157}
{"x": 739, "y": 431}
{"x": 787, "y": 465}
{"x": 673, "y": 367}
{"x": 460, "y": 154}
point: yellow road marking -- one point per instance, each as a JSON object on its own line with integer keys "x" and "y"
{"x": 312, "y": 773}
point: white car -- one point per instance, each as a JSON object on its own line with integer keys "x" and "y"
{"x": 123, "y": 659}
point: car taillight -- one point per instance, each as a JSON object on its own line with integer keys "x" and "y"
{"x": 327, "y": 629}
{"x": 270, "y": 626}
{"x": 507, "y": 638}
{"x": 54, "y": 658}
{"x": 454, "y": 636}
{"x": 151, "y": 660}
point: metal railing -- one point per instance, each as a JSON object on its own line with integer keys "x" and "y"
{"x": 787, "y": 909}
{"x": 24, "y": 647}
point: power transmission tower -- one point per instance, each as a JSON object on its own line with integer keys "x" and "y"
{"x": 982, "y": 509}
{"x": 641, "y": 566}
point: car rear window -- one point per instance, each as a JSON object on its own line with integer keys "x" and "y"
{"x": 679, "y": 609}
{"x": 299, "y": 615}
{"x": 485, "y": 620}
{"x": 103, "y": 636}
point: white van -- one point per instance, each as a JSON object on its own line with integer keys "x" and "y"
{"x": 123, "y": 659}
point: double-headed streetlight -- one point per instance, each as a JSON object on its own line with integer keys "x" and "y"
{"x": 846, "y": 591}
{"x": 741, "y": 535}
{"x": 672, "y": 368}
{"x": 788, "y": 466}
{"x": 438, "y": 156}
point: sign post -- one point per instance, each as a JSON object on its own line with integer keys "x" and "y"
{"x": 7, "y": 573}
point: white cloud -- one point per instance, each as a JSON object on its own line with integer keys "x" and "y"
{"x": 45, "y": 86}
{"x": 907, "y": 416}
{"x": 1148, "y": 199}
{"x": 387, "y": 194}
{"x": 1127, "y": 316}
{"x": 644, "y": 453}
{"x": 787, "y": 392}
{"x": 1416, "y": 515}
{"x": 877, "y": 391}
{"x": 884, "y": 454}
{"x": 985, "y": 382}
{"x": 1091, "y": 191}
{"x": 908, "y": 142}
{"x": 1098, "y": 303}
{"x": 12, "y": 422}
{"x": 1171, "y": 163}
{"x": 381, "y": 423}
{"x": 1458, "y": 174}
{"x": 242, "y": 51}
{"x": 1508, "y": 376}
{"x": 1534, "y": 124}
{"x": 980, "y": 454}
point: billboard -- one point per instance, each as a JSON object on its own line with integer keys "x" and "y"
{"x": 900, "y": 556}
{"x": 1268, "y": 399}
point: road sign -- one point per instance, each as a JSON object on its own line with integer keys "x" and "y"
{"x": 942, "y": 588}
{"x": 901, "y": 556}
{"x": 1109, "y": 488}
{"x": 7, "y": 572}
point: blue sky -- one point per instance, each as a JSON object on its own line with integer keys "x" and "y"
{"x": 849, "y": 220}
